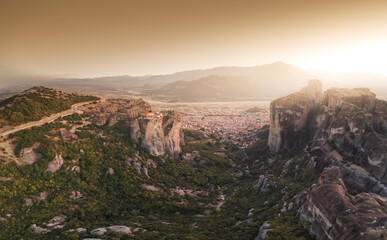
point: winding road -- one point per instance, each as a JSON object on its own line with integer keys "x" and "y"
{"x": 74, "y": 109}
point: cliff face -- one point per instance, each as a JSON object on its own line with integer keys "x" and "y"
{"x": 288, "y": 115}
{"x": 159, "y": 132}
{"x": 346, "y": 136}
{"x": 113, "y": 111}
{"x": 354, "y": 122}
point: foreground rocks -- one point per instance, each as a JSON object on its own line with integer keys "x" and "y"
{"x": 335, "y": 214}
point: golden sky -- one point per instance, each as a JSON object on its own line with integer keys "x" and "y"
{"x": 138, "y": 37}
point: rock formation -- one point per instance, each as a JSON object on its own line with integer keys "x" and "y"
{"x": 343, "y": 134}
{"x": 113, "y": 111}
{"x": 28, "y": 155}
{"x": 159, "y": 132}
{"x": 55, "y": 164}
{"x": 288, "y": 115}
{"x": 335, "y": 214}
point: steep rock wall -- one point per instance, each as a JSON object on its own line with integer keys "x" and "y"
{"x": 159, "y": 132}
{"x": 347, "y": 142}
{"x": 289, "y": 114}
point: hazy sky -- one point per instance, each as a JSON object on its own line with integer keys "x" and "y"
{"x": 113, "y": 37}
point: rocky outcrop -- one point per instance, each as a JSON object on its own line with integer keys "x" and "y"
{"x": 56, "y": 222}
{"x": 264, "y": 183}
{"x": 124, "y": 230}
{"x": 113, "y": 111}
{"x": 335, "y": 214}
{"x": 159, "y": 132}
{"x": 351, "y": 121}
{"x": 263, "y": 231}
{"x": 288, "y": 115}
{"x": 55, "y": 164}
{"x": 346, "y": 139}
{"x": 28, "y": 155}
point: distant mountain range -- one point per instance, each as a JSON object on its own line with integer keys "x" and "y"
{"x": 254, "y": 83}
{"x": 264, "y": 82}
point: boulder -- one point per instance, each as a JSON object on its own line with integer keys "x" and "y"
{"x": 109, "y": 171}
{"x": 56, "y": 221}
{"x": 78, "y": 230}
{"x": 98, "y": 231}
{"x": 38, "y": 229}
{"x": 263, "y": 231}
{"x": 120, "y": 230}
{"x": 55, "y": 164}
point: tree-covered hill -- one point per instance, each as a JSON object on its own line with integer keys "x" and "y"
{"x": 209, "y": 192}
{"x": 36, "y": 103}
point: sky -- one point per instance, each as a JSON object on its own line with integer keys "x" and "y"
{"x": 89, "y": 38}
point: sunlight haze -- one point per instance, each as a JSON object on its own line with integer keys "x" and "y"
{"x": 105, "y": 38}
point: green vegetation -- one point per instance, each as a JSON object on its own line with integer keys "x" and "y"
{"x": 216, "y": 170}
{"x": 36, "y": 103}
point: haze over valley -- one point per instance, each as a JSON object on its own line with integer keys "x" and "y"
{"x": 201, "y": 120}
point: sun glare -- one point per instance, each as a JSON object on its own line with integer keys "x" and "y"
{"x": 364, "y": 58}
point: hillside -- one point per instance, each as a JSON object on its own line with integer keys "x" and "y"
{"x": 268, "y": 81}
{"x": 36, "y": 103}
{"x": 235, "y": 84}
{"x": 92, "y": 176}
{"x": 269, "y": 72}
{"x": 107, "y": 174}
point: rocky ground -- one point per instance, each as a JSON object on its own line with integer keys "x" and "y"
{"x": 343, "y": 134}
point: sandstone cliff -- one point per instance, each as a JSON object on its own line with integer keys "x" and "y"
{"x": 159, "y": 132}
{"x": 288, "y": 115}
{"x": 343, "y": 134}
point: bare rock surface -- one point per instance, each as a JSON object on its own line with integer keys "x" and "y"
{"x": 55, "y": 164}
{"x": 56, "y": 221}
{"x": 78, "y": 230}
{"x": 263, "y": 231}
{"x": 289, "y": 114}
{"x": 120, "y": 230}
{"x": 29, "y": 156}
{"x": 117, "y": 229}
{"x": 159, "y": 132}
{"x": 98, "y": 231}
{"x": 264, "y": 183}
{"x": 335, "y": 214}
{"x": 343, "y": 134}
{"x": 38, "y": 229}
